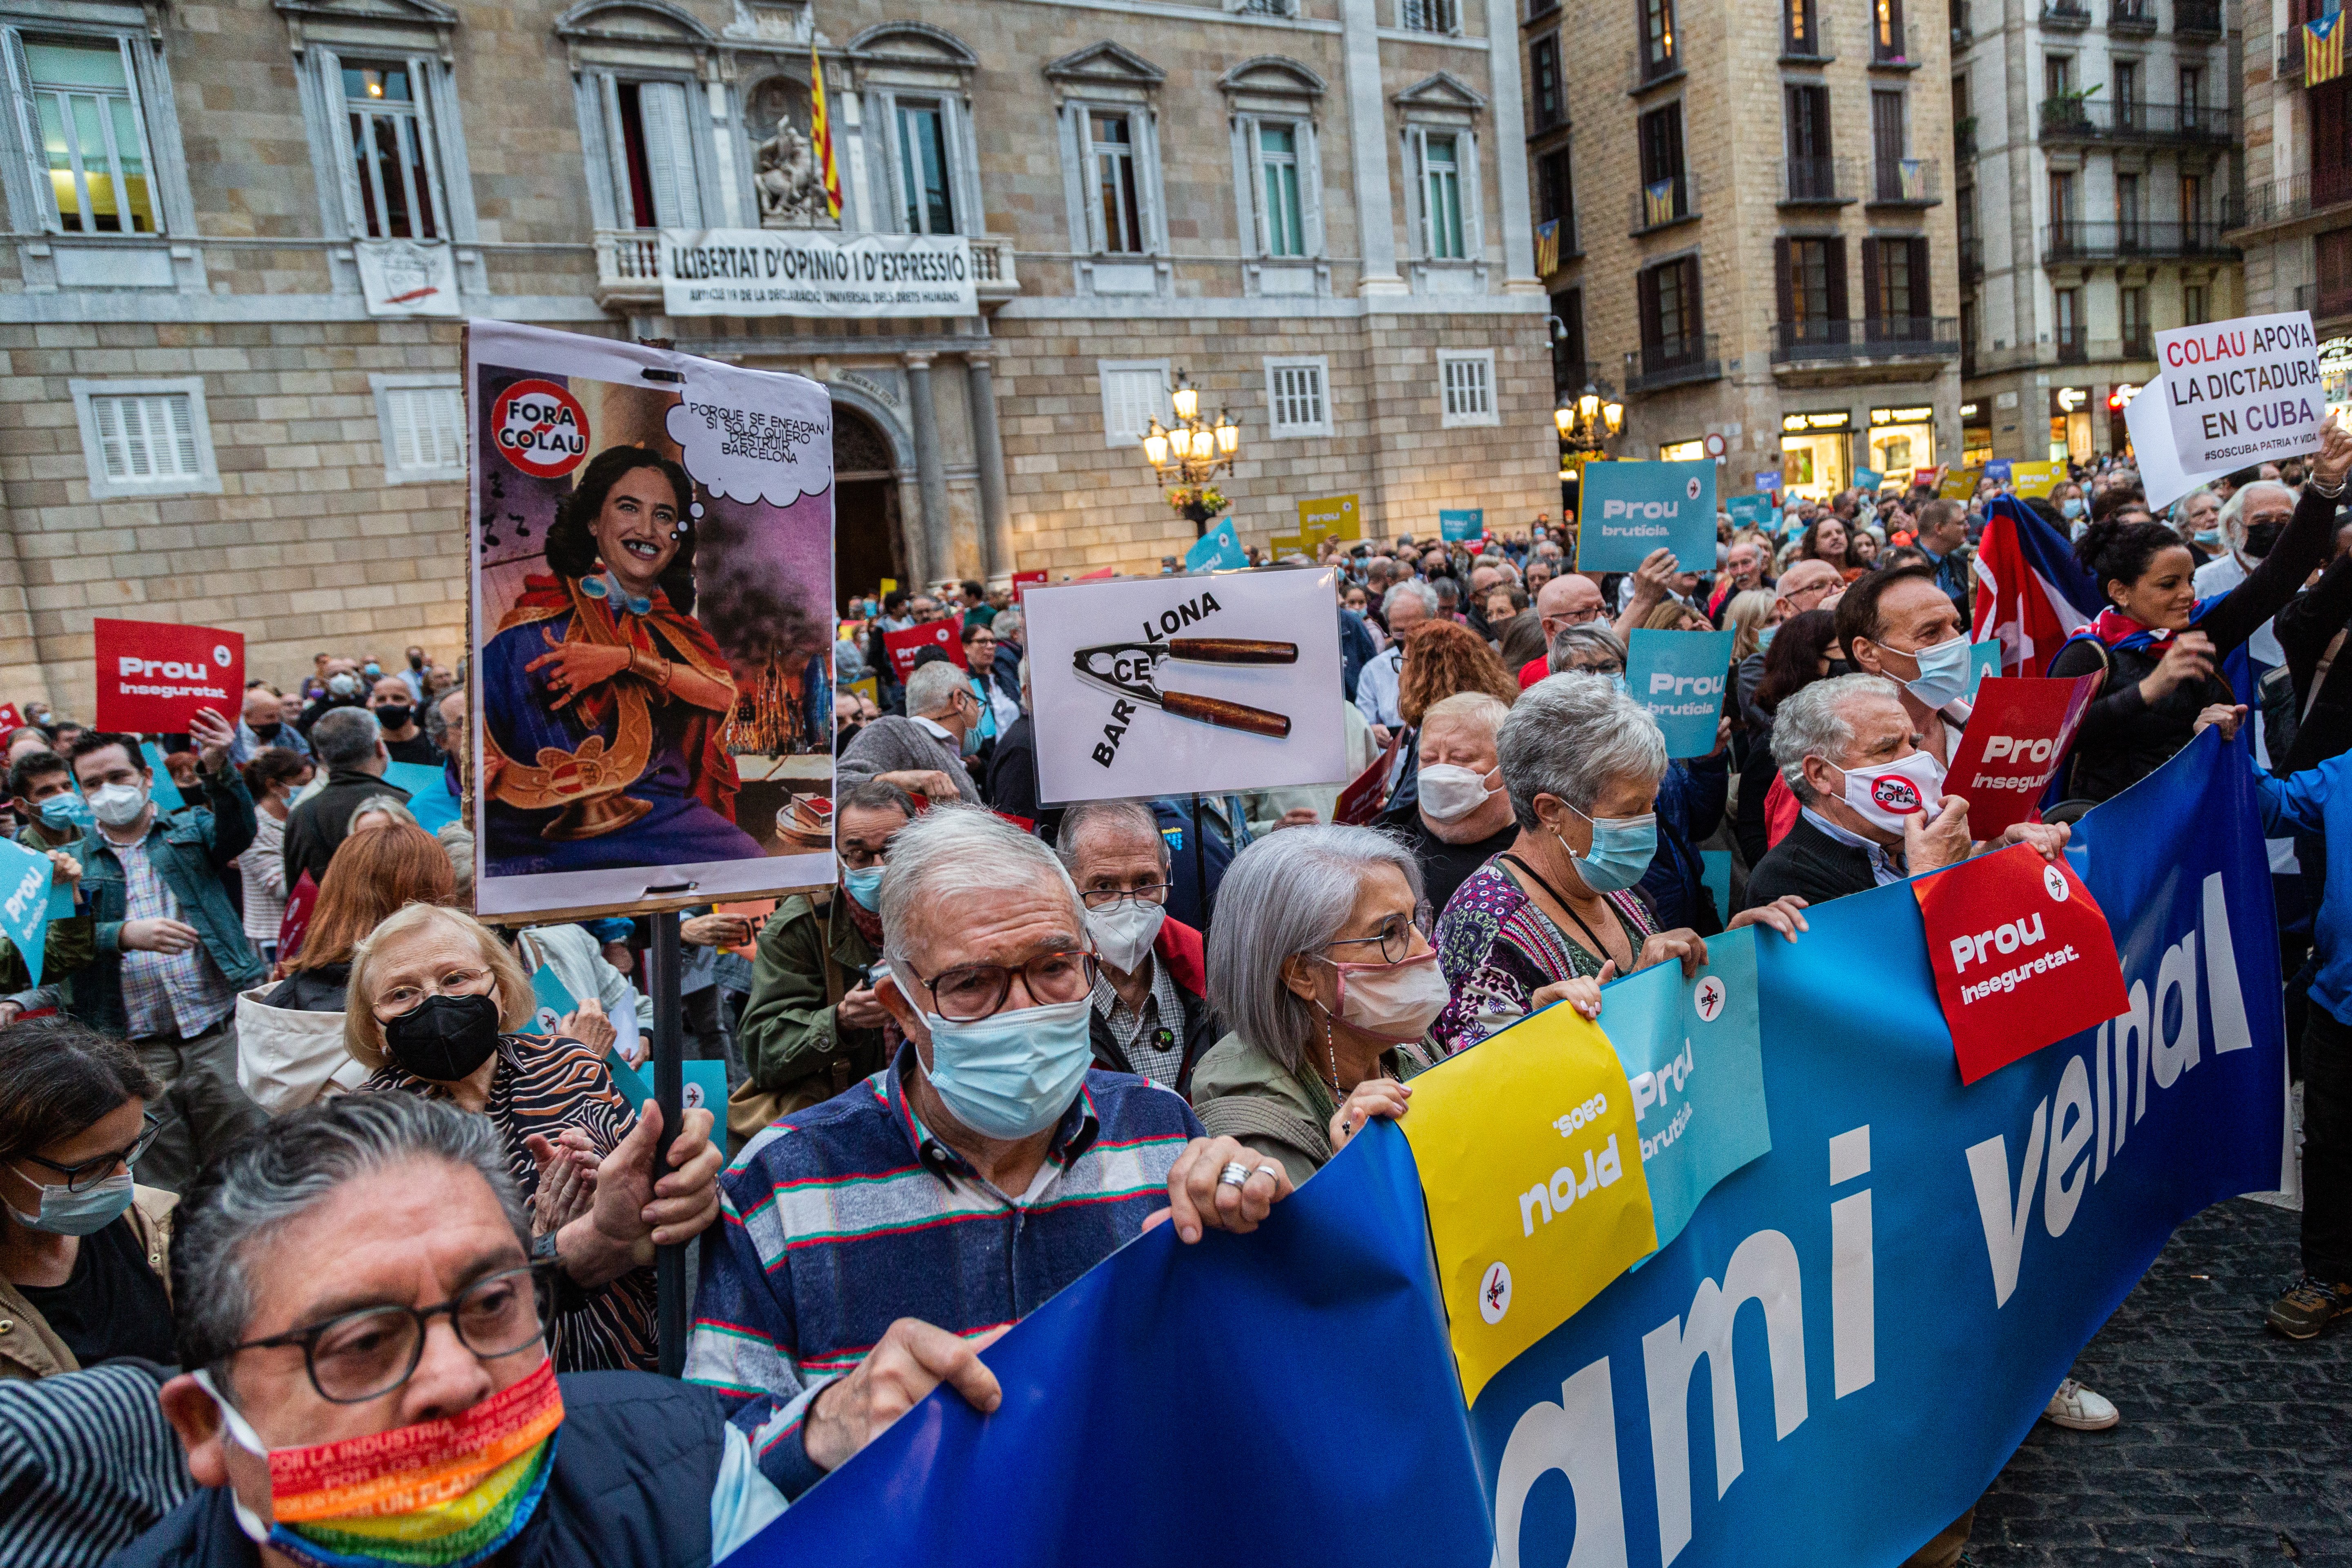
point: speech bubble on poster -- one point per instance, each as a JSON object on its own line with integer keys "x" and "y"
{"x": 153, "y": 676}
{"x": 1161, "y": 686}
{"x": 2017, "y": 738}
{"x": 1632, "y": 509}
{"x": 1680, "y": 679}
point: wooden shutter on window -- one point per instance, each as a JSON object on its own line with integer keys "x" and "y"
{"x": 1646, "y": 296}
{"x": 1918, "y": 304}
{"x": 1872, "y": 304}
{"x": 1783, "y": 268}
{"x": 1693, "y": 308}
{"x": 1833, "y": 253}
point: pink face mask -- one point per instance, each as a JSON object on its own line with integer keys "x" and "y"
{"x": 1393, "y": 1001}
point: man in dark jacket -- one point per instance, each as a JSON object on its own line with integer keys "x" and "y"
{"x": 349, "y": 743}
{"x": 172, "y": 951}
{"x": 1151, "y": 1015}
{"x": 404, "y": 1202}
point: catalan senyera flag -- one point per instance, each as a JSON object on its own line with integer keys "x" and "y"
{"x": 2323, "y": 49}
{"x": 1546, "y": 248}
{"x": 821, "y": 134}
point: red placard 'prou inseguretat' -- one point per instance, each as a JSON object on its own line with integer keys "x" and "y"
{"x": 152, "y": 676}
{"x": 2017, "y": 737}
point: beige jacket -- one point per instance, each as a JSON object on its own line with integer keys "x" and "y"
{"x": 29, "y": 1350}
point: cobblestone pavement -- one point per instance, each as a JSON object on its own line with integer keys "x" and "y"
{"x": 2235, "y": 1446}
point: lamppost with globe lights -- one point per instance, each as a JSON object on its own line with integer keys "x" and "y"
{"x": 1588, "y": 421}
{"x": 1185, "y": 457}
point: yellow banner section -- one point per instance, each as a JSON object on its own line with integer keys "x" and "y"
{"x": 1531, "y": 1166}
{"x": 1959, "y": 484}
{"x": 1283, "y": 544}
{"x": 2033, "y": 480}
{"x": 1333, "y": 517}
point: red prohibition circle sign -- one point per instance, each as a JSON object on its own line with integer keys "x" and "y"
{"x": 540, "y": 428}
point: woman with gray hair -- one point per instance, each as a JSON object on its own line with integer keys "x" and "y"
{"x": 1320, "y": 962}
{"x": 1581, "y": 762}
{"x": 1592, "y": 648}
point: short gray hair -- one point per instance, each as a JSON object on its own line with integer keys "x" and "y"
{"x": 1811, "y": 722}
{"x": 1412, "y": 588}
{"x": 2233, "y": 510}
{"x": 1131, "y": 815}
{"x": 1569, "y": 736}
{"x": 931, "y": 689}
{"x": 392, "y": 805}
{"x": 289, "y": 1166}
{"x": 957, "y": 849}
{"x": 1007, "y": 621}
{"x": 457, "y": 840}
{"x": 343, "y": 736}
{"x": 1584, "y": 637}
{"x": 1289, "y": 892}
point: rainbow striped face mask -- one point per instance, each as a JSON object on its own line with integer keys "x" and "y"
{"x": 439, "y": 1494}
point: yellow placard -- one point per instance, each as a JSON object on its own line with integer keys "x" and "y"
{"x": 1333, "y": 517}
{"x": 869, "y": 688}
{"x": 1283, "y": 544}
{"x": 889, "y": 584}
{"x": 1531, "y": 1167}
{"x": 2031, "y": 480}
{"x": 1959, "y": 484}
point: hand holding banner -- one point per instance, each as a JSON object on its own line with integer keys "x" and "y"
{"x": 1630, "y": 508}
{"x": 1680, "y": 678}
{"x": 2016, "y": 739}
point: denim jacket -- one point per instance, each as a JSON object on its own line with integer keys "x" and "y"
{"x": 190, "y": 850}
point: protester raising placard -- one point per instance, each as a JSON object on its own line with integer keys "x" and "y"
{"x": 1632, "y": 509}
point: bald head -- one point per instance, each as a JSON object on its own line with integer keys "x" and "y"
{"x": 1568, "y": 600}
{"x": 1802, "y": 587}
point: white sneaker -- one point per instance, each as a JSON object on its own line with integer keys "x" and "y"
{"x": 2077, "y": 1407}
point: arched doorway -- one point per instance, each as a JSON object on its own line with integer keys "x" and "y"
{"x": 866, "y": 546}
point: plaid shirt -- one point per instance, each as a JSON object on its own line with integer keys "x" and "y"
{"x": 178, "y": 993}
{"x": 1152, "y": 1038}
{"x": 843, "y": 1218}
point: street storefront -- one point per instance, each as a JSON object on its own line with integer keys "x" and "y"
{"x": 1817, "y": 453}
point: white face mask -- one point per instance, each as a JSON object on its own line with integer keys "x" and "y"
{"x": 1886, "y": 795}
{"x": 1125, "y": 931}
{"x": 1393, "y": 1001}
{"x": 1449, "y": 794}
{"x": 118, "y": 804}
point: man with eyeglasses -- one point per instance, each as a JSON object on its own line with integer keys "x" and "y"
{"x": 812, "y": 1027}
{"x": 1568, "y": 600}
{"x": 1151, "y": 1015}
{"x": 964, "y": 1185}
{"x": 367, "y": 1376}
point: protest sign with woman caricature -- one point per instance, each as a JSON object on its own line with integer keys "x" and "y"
{"x": 651, "y": 678}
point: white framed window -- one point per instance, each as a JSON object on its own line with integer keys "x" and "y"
{"x": 1282, "y": 225}
{"x": 1298, "y": 396}
{"x": 145, "y": 437}
{"x": 1429, "y": 15}
{"x": 926, "y": 182}
{"x": 1440, "y": 196}
{"x": 1134, "y": 394}
{"x": 642, "y": 150}
{"x": 83, "y": 131}
{"x": 1116, "y": 197}
{"x": 422, "y": 419}
{"x": 1465, "y": 386}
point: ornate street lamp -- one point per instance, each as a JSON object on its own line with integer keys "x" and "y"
{"x": 1184, "y": 457}
{"x": 1588, "y": 421}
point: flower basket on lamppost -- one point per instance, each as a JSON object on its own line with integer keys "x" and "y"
{"x": 1185, "y": 457}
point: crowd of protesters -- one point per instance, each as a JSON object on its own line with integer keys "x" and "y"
{"x": 315, "y": 1231}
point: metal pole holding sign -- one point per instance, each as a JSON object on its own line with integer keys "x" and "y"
{"x": 669, "y": 1091}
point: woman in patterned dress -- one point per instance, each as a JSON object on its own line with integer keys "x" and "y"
{"x": 434, "y": 998}
{"x": 1582, "y": 762}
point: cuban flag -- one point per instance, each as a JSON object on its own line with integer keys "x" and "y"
{"x": 2031, "y": 594}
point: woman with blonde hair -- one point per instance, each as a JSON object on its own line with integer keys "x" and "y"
{"x": 439, "y": 1008}
{"x": 1745, "y": 615}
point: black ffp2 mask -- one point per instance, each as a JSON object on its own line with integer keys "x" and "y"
{"x": 444, "y": 1038}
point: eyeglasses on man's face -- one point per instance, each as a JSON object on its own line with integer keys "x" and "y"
{"x": 363, "y": 1354}
{"x": 970, "y": 992}
{"x": 1108, "y": 898}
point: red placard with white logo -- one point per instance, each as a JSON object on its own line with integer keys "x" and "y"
{"x": 2022, "y": 957}
{"x": 1022, "y": 581}
{"x": 903, "y": 646}
{"x": 153, "y": 676}
{"x": 2017, "y": 737}
{"x": 9, "y": 718}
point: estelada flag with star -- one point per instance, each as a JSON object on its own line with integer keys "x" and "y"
{"x": 2323, "y": 49}
{"x": 821, "y": 132}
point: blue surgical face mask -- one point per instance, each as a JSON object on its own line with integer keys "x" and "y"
{"x": 1622, "y": 848}
{"x": 1943, "y": 672}
{"x": 1012, "y": 1074}
{"x": 2210, "y": 538}
{"x": 1617, "y": 679}
{"x": 2072, "y": 505}
{"x": 864, "y": 886}
{"x": 85, "y": 1213}
{"x": 1764, "y": 637}
{"x": 67, "y": 810}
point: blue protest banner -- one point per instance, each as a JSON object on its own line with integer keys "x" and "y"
{"x": 1715, "y": 874}
{"x": 1693, "y": 1058}
{"x": 1998, "y": 470}
{"x": 163, "y": 791}
{"x": 1768, "y": 481}
{"x": 1868, "y": 480}
{"x": 1467, "y": 523}
{"x": 1984, "y": 658}
{"x": 1679, "y": 677}
{"x": 705, "y": 1087}
{"x": 555, "y": 1000}
{"x": 1216, "y": 549}
{"x": 2024, "y": 1206}
{"x": 1752, "y": 511}
{"x": 1632, "y": 509}
{"x": 429, "y": 793}
{"x": 25, "y": 902}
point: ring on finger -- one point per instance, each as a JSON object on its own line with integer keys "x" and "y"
{"x": 1233, "y": 1174}
{"x": 1271, "y": 1170}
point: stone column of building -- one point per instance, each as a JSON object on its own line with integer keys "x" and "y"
{"x": 995, "y": 526}
{"x": 1511, "y": 163}
{"x": 1369, "y": 146}
{"x": 931, "y": 477}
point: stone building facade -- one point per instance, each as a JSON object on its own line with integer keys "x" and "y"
{"x": 241, "y": 235}
{"x": 2297, "y": 221}
{"x": 2101, "y": 177}
{"x": 1754, "y": 239}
